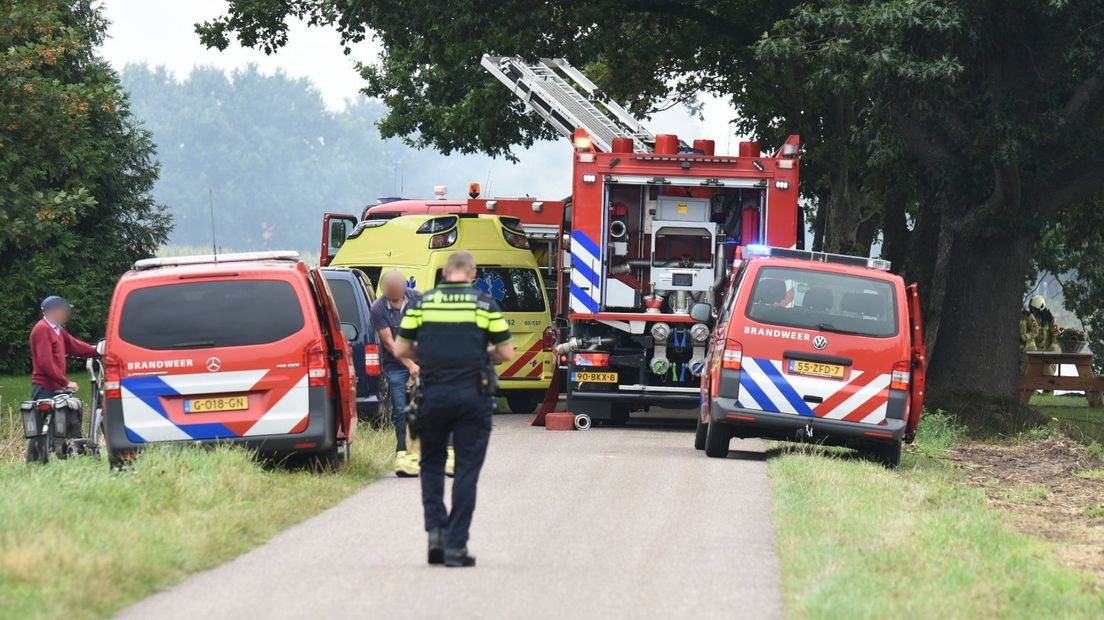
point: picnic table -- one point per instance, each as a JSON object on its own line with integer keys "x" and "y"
{"x": 1085, "y": 381}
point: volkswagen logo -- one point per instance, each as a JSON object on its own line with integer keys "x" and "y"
{"x": 214, "y": 364}
{"x": 820, "y": 343}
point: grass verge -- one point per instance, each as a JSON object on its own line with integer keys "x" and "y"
{"x": 80, "y": 541}
{"x": 859, "y": 541}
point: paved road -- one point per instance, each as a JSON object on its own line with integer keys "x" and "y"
{"x": 608, "y": 523}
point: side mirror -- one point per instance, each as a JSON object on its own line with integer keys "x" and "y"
{"x": 703, "y": 313}
{"x": 101, "y": 346}
{"x": 350, "y": 331}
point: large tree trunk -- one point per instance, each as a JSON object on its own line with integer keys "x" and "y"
{"x": 977, "y": 343}
{"x": 820, "y": 223}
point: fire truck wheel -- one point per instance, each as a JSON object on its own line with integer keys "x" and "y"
{"x": 890, "y": 455}
{"x": 699, "y": 435}
{"x": 717, "y": 437}
{"x": 619, "y": 416}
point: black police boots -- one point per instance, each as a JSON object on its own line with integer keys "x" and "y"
{"x": 459, "y": 558}
{"x": 437, "y": 546}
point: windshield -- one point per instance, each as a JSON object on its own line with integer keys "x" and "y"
{"x": 824, "y": 301}
{"x": 197, "y": 315}
{"x": 515, "y": 289}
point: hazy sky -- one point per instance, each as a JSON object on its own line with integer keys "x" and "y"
{"x": 161, "y": 32}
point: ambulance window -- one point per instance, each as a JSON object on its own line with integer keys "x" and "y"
{"x": 373, "y": 274}
{"x": 200, "y": 315}
{"x": 515, "y": 289}
{"x": 824, "y": 301}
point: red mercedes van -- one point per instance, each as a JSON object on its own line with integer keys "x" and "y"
{"x": 814, "y": 347}
{"x": 242, "y": 348}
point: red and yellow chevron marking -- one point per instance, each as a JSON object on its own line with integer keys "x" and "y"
{"x": 519, "y": 364}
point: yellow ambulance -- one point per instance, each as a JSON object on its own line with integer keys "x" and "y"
{"x": 419, "y": 245}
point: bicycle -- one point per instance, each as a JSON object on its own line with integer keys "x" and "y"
{"x": 54, "y": 425}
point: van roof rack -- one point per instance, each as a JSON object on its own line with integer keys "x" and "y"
{"x": 880, "y": 264}
{"x": 204, "y": 259}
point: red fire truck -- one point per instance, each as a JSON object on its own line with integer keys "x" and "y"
{"x": 650, "y": 229}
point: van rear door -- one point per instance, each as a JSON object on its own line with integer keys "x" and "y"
{"x": 214, "y": 359}
{"x": 340, "y": 355}
{"x": 919, "y": 362}
{"x": 818, "y": 342}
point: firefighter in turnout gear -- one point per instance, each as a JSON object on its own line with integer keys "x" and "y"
{"x": 454, "y": 333}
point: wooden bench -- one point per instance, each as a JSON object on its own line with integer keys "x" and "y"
{"x": 1085, "y": 381}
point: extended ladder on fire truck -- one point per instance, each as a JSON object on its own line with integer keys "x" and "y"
{"x": 564, "y": 97}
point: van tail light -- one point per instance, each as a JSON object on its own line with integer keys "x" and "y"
{"x": 113, "y": 377}
{"x": 318, "y": 371}
{"x": 899, "y": 380}
{"x": 592, "y": 359}
{"x": 733, "y": 356}
{"x": 371, "y": 360}
{"x": 549, "y": 342}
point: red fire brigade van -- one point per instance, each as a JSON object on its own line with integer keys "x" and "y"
{"x": 245, "y": 349}
{"x": 814, "y": 347}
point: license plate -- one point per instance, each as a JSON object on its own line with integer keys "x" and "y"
{"x": 816, "y": 369}
{"x": 594, "y": 377}
{"x": 225, "y": 403}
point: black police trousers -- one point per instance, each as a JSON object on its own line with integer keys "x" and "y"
{"x": 459, "y": 409}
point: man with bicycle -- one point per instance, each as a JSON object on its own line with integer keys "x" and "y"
{"x": 51, "y": 343}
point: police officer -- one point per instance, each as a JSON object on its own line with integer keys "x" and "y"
{"x": 455, "y": 332}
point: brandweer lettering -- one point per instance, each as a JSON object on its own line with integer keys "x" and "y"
{"x": 776, "y": 333}
{"x": 159, "y": 364}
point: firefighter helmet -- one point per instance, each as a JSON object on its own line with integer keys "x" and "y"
{"x": 1038, "y": 303}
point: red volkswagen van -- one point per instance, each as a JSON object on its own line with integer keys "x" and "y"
{"x": 814, "y": 347}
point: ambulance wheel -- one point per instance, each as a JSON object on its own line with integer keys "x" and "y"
{"x": 524, "y": 402}
{"x": 699, "y": 435}
{"x": 717, "y": 437}
{"x": 890, "y": 455}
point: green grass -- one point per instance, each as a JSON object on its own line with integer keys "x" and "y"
{"x": 80, "y": 541}
{"x": 859, "y": 541}
{"x": 1074, "y": 412}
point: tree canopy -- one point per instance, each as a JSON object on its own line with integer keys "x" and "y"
{"x": 956, "y": 130}
{"x": 76, "y": 171}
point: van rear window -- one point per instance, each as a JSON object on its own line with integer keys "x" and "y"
{"x": 345, "y": 296}
{"x": 824, "y": 301}
{"x": 515, "y": 289}
{"x": 198, "y": 315}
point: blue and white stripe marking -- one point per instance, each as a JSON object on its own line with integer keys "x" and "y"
{"x": 586, "y": 274}
{"x": 146, "y": 420}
